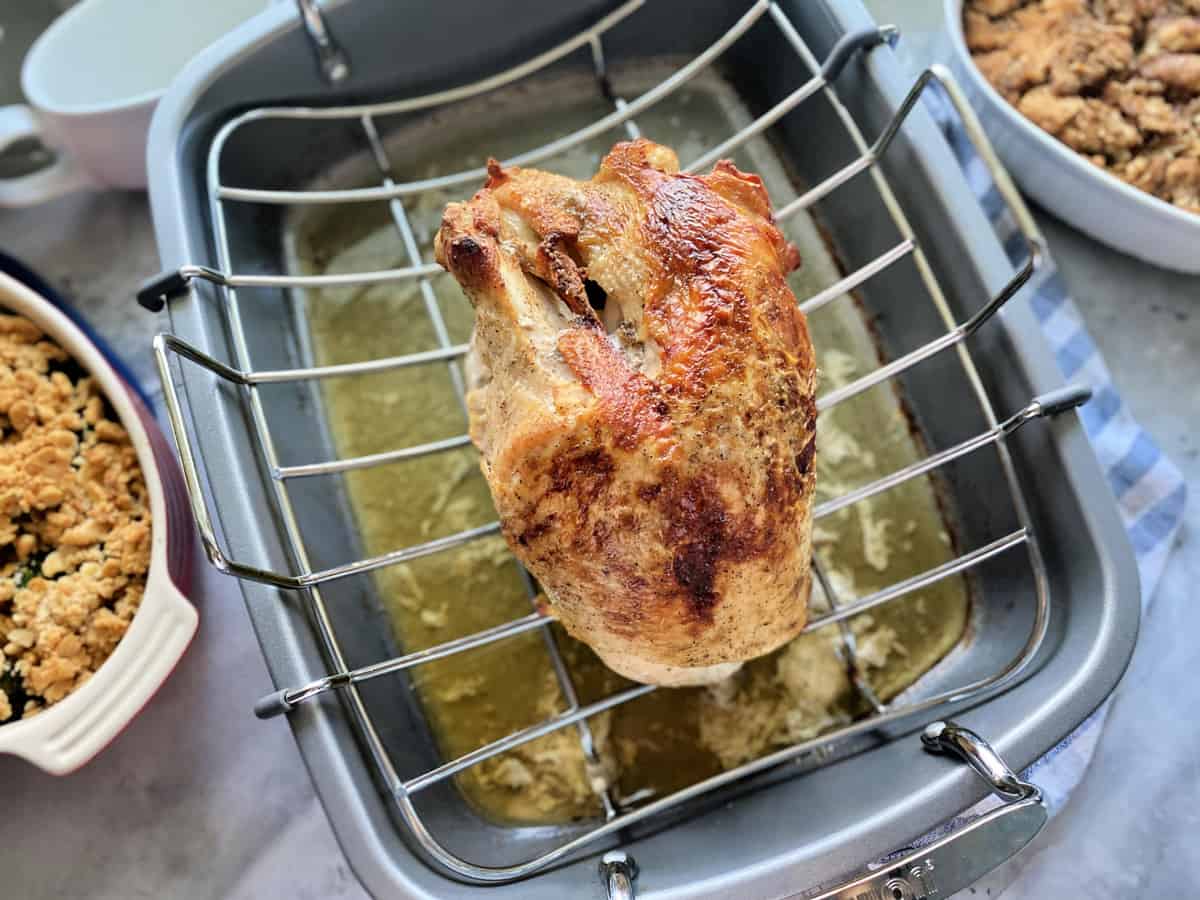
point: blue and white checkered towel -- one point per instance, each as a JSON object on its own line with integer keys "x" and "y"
{"x": 1149, "y": 489}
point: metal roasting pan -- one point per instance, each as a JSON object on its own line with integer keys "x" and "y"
{"x": 812, "y": 818}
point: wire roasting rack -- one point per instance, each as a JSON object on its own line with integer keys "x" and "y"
{"x": 242, "y": 374}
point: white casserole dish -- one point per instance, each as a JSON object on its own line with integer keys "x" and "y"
{"x": 66, "y": 735}
{"x": 1067, "y": 185}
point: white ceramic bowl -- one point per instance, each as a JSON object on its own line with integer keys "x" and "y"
{"x": 92, "y": 81}
{"x": 1070, "y": 187}
{"x": 66, "y": 735}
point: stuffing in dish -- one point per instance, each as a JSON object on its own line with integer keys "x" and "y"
{"x": 74, "y": 523}
{"x": 1118, "y": 81}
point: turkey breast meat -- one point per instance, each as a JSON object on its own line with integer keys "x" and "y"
{"x": 642, "y": 395}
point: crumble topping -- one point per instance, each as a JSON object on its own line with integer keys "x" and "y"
{"x": 1118, "y": 81}
{"x": 74, "y": 523}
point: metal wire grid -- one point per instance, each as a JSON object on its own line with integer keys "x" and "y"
{"x": 244, "y": 375}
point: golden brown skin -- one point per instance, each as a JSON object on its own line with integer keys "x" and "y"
{"x": 652, "y": 463}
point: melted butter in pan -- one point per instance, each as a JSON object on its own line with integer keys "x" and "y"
{"x": 670, "y": 738}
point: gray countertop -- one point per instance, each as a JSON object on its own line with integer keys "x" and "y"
{"x": 163, "y": 811}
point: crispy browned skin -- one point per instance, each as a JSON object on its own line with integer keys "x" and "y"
{"x": 652, "y": 463}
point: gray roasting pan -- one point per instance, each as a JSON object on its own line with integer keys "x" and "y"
{"x": 787, "y": 834}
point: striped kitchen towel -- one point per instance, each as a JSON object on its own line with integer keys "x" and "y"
{"x": 1149, "y": 488}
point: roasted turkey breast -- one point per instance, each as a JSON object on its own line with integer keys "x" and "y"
{"x": 642, "y": 395}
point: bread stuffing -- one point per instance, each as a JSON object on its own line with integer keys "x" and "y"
{"x": 1117, "y": 81}
{"x": 74, "y": 524}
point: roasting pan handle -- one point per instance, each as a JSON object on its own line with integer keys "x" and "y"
{"x": 618, "y": 872}
{"x": 331, "y": 58}
{"x": 961, "y": 857}
{"x": 937, "y": 869}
